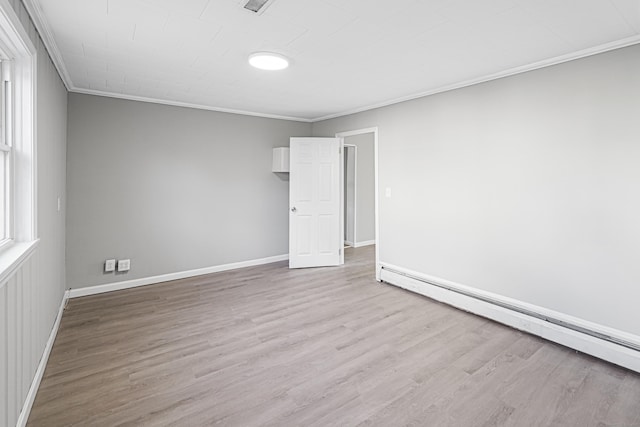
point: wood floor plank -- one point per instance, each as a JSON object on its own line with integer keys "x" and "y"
{"x": 269, "y": 346}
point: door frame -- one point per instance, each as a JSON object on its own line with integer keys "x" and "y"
{"x": 343, "y": 135}
{"x": 355, "y": 188}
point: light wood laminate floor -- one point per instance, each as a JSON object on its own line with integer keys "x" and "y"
{"x": 314, "y": 347}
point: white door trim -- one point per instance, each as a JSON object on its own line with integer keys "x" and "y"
{"x": 343, "y": 135}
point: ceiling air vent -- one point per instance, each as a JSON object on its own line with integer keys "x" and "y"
{"x": 257, "y": 6}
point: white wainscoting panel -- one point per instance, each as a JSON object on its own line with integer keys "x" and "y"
{"x": 25, "y": 330}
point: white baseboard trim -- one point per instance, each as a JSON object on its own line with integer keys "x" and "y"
{"x": 117, "y": 286}
{"x": 365, "y": 243}
{"x": 583, "y": 342}
{"x": 35, "y": 384}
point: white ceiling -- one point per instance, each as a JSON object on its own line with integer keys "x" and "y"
{"x": 347, "y": 55}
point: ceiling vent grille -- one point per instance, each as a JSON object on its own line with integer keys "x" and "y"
{"x": 257, "y": 6}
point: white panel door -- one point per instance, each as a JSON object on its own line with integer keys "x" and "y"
{"x": 315, "y": 235}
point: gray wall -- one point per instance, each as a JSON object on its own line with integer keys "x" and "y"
{"x": 349, "y": 182}
{"x": 526, "y": 186}
{"x": 51, "y": 141}
{"x": 173, "y": 189}
{"x": 31, "y": 298}
{"x": 365, "y": 186}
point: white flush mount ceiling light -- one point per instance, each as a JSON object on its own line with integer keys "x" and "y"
{"x": 268, "y": 61}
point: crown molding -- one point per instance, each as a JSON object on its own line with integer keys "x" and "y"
{"x": 618, "y": 44}
{"x": 37, "y": 16}
{"x": 186, "y": 105}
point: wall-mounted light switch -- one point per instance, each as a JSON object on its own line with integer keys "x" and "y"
{"x": 124, "y": 264}
{"x": 109, "y": 265}
{"x": 387, "y": 192}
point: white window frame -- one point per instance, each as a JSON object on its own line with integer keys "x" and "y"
{"x": 6, "y": 153}
{"x": 19, "y": 50}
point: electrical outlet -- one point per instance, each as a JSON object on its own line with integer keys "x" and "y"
{"x": 109, "y": 265}
{"x": 124, "y": 264}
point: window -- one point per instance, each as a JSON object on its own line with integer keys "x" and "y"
{"x": 6, "y": 154}
{"x": 18, "y": 234}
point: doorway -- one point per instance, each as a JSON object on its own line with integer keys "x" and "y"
{"x": 360, "y": 189}
{"x": 350, "y": 188}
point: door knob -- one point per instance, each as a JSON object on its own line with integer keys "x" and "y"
{"x": 293, "y": 209}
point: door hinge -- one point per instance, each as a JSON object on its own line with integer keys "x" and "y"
{"x": 339, "y": 251}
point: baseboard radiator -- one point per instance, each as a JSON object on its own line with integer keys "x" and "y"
{"x": 598, "y": 343}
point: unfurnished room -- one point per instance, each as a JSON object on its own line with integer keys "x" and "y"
{"x": 319, "y": 213}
